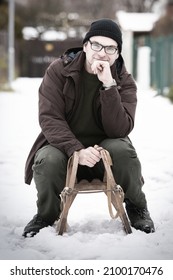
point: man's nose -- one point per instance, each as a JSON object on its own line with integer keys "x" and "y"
{"x": 102, "y": 52}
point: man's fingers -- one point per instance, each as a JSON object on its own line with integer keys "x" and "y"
{"x": 98, "y": 148}
{"x": 95, "y": 154}
{"x": 89, "y": 156}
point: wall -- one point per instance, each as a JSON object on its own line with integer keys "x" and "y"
{"x": 34, "y": 56}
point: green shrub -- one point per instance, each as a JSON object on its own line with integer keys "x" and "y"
{"x": 3, "y": 70}
{"x": 170, "y": 94}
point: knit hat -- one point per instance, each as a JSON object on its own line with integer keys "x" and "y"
{"x": 107, "y": 28}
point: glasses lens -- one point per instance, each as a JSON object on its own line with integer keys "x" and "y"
{"x": 96, "y": 47}
{"x": 110, "y": 50}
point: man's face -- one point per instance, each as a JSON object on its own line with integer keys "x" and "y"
{"x": 92, "y": 55}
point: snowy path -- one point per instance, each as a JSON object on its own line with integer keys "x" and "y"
{"x": 92, "y": 234}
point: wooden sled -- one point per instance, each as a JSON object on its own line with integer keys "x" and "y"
{"x": 114, "y": 192}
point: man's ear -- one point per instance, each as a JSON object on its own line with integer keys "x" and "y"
{"x": 84, "y": 46}
{"x": 117, "y": 55}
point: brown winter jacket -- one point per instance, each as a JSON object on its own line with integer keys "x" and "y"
{"x": 58, "y": 98}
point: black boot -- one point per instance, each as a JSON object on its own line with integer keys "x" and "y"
{"x": 139, "y": 217}
{"x": 34, "y": 226}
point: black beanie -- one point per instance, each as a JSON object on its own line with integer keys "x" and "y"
{"x": 107, "y": 28}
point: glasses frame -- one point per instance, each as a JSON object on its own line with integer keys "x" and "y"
{"x": 102, "y": 47}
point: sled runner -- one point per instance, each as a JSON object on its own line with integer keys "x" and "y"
{"x": 114, "y": 192}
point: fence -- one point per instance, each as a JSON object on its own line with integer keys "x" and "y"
{"x": 161, "y": 62}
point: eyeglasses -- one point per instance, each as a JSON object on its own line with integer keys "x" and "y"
{"x": 98, "y": 47}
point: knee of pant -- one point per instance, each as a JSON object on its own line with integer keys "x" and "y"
{"x": 54, "y": 160}
{"x": 50, "y": 162}
{"x": 120, "y": 148}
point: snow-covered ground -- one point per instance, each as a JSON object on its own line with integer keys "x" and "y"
{"x": 92, "y": 234}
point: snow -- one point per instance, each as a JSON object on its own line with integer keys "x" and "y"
{"x": 53, "y": 35}
{"x": 92, "y": 234}
{"x": 137, "y": 21}
{"x": 30, "y": 33}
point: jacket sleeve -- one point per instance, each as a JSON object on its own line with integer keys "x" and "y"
{"x": 118, "y": 106}
{"x": 52, "y": 111}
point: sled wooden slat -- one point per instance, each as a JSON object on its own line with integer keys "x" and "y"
{"x": 114, "y": 193}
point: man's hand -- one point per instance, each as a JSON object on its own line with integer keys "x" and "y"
{"x": 102, "y": 69}
{"x": 89, "y": 156}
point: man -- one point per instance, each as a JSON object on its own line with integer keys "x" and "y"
{"x": 87, "y": 100}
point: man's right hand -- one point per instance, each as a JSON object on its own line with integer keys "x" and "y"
{"x": 89, "y": 156}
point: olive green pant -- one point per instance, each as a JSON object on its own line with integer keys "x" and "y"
{"x": 50, "y": 173}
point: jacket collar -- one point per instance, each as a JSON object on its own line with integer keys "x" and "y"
{"x": 75, "y": 64}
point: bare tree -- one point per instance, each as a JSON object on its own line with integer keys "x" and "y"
{"x": 137, "y": 6}
{"x": 164, "y": 25}
{"x": 56, "y": 12}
